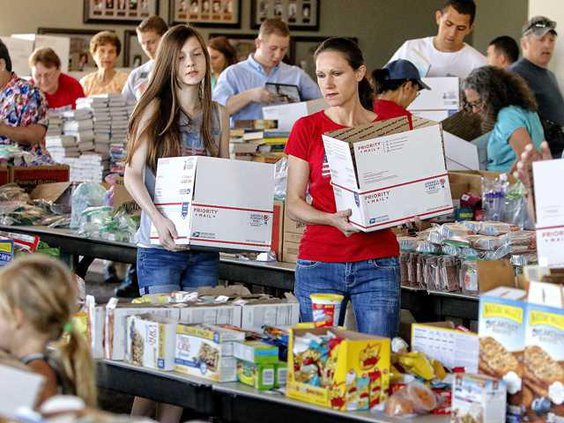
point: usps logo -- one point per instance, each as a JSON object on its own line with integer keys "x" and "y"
{"x": 442, "y": 182}
{"x": 325, "y": 170}
{"x": 372, "y": 221}
{"x": 196, "y": 234}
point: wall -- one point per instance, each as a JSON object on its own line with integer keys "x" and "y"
{"x": 554, "y": 9}
{"x": 380, "y": 25}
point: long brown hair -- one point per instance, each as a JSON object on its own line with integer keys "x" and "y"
{"x": 162, "y": 129}
{"x": 45, "y": 292}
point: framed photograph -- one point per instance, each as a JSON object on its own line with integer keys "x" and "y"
{"x": 244, "y": 43}
{"x": 79, "y": 54}
{"x": 217, "y": 13}
{"x": 298, "y": 14}
{"x": 133, "y": 55}
{"x": 119, "y": 11}
{"x": 302, "y": 49}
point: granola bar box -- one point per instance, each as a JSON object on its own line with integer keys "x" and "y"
{"x": 206, "y": 351}
{"x": 339, "y": 369}
{"x": 544, "y": 363}
{"x": 150, "y": 341}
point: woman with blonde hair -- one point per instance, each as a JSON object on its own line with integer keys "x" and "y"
{"x": 37, "y": 300}
{"x": 175, "y": 116}
{"x": 105, "y": 48}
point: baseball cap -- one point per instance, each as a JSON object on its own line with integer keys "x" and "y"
{"x": 539, "y": 26}
{"x": 404, "y": 69}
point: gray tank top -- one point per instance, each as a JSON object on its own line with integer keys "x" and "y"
{"x": 192, "y": 145}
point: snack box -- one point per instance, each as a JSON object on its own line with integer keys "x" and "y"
{"x": 270, "y": 312}
{"x": 501, "y": 329}
{"x": 150, "y": 341}
{"x": 227, "y": 216}
{"x": 544, "y": 363}
{"x": 206, "y": 351}
{"x": 256, "y": 352}
{"x": 376, "y": 172}
{"x": 280, "y": 374}
{"x": 259, "y": 376}
{"x": 478, "y": 399}
{"x": 215, "y": 314}
{"x": 359, "y": 369}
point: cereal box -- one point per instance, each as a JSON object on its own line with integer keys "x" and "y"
{"x": 354, "y": 372}
{"x": 150, "y": 341}
{"x": 544, "y": 363}
{"x": 478, "y": 399}
{"x": 501, "y": 329}
{"x": 201, "y": 351}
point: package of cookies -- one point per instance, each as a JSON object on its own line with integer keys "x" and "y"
{"x": 150, "y": 341}
{"x": 501, "y": 329}
{"x": 544, "y": 363}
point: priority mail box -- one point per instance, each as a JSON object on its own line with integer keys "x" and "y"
{"x": 444, "y": 96}
{"x": 387, "y": 174}
{"x": 288, "y": 114}
{"x": 216, "y": 203}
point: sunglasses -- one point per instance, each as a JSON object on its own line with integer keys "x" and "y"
{"x": 541, "y": 25}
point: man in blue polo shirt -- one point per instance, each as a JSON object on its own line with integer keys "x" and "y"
{"x": 241, "y": 87}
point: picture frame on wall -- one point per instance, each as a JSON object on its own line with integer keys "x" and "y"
{"x": 300, "y": 15}
{"x": 119, "y": 11}
{"x": 244, "y": 44}
{"x": 302, "y": 49}
{"x": 80, "y": 58}
{"x": 133, "y": 55}
{"x": 206, "y": 13}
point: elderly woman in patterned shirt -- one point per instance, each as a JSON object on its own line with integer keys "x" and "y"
{"x": 22, "y": 108}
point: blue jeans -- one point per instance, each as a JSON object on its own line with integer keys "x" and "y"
{"x": 373, "y": 286}
{"x": 162, "y": 271}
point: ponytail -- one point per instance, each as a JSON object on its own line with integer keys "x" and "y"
{"x": 77, "y": 366}
{"x": 365, "y": 93}
{"x": 383, "y": 83}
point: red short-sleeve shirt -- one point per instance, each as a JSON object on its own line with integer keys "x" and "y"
{"x": 386, "y": 109}
{"x": 321, "y": 242}
{"x": 69, "y": 90}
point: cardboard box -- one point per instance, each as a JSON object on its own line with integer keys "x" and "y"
{"x": 270, "y": 312}
{"x": 443, "y": 96}
{"x": 288, "y": 114}
{"x": 293, "y": 232}
{"x": 280, "y": 374}
{"x": 6, "y": 251}
{"x": 460, "y": 154}
{"x": 151, "y": 341}
{"x": 278, "y": 229}
{"x": 478, "y": 399}
{"x": 546, "y": 293}
{"x": 31, "y": 176}
{"x": 199, "y": 352}
{"x": 501, "y": 328}
{"x": 212, "y": 314}
{"x": 360, "y": 377}
{"x": 256, "y": 352}
{"x": 259, "y": 376}
{"x": 290, "y": 251}
{"x": 451, "y": 347}
{"x": 211, "y": 205}
{"x": 376, "y": 172}
{"x": 4, "y": 175}
{"x": 544, "y": 363}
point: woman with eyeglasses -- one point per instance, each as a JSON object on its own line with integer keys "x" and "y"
{"x": 396, "y": 86}
{"x": 508, "y": 109}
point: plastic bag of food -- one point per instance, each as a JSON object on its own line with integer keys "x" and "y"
{"x": 493, "y": 196}
{"x": 469, "y": 276}
{"x": 280, "y": 178}
{"x": 449, "y": 279}
{"x": 486, "y": 243}
{"x": 412, "y": 400}
{"x": 87, "y": 194}
{"x": 430, "y": 272}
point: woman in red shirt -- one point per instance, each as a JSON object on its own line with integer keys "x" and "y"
{"x": 334, "y": 257}
{"x": 396, "y": 86}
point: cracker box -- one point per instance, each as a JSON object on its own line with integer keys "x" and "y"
{"x": 376, "y": 172}
{"x": 544, "y": 363}
{"x": 501, "y": 329}
{"x": 478, "y": 399}
{"x": 221, "y": 216}
{"x": 270, "y": 312}
{"x": 355, "y": 376}
{"x": 259, "y": 376}
{"x": 150, "y": 341}
{"x": 201, "y": 351}
{"x": 115, "y": 325}
{"x": 256, "y": 352}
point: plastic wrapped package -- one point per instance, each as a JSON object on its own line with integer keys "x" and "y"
{"x": 431, "y": 273}
{"x": 522, "y": 260}
{"x": 451, "y": 250}
{"x": 404, "y": 269}
{"x": 449, "y": 274}
{"x": 493, "y": 196}
{"x": 501, "y": 252}
{"x": 412, "y": 269}
{"x": 469, "y": 277}
{"x": 496, "y": 228}
{"x": 515, "y": 210}
{"x": 527, "y": 238}
{"x": 280, "y": 178}
{"x": 420, "y": 278}
{"x": 425, "y": 247}
{"x": 13, "y": 192}
{"x": 449, "y": 230}
{"x": 414, "y": 399}
{"x": 458, "y": 241}
{"x": 87, "y": 194}
{"x": 407, "y": 243}
{"x": 486, "y": 243}
{"x": 434, "y": 236}
{"x": 472, "y": 225}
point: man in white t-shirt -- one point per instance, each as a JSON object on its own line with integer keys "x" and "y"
{"x": 149, "y": 33}
{"x": 446, "y": 54}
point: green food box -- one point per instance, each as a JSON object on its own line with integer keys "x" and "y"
{"x": 280, "y": 374}
{"x": 256, "y": 352}
{"x": 259, "y": 376}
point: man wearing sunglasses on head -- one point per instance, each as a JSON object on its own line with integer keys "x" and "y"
{"x": 537, "y": 43}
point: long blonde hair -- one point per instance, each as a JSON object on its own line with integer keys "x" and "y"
{"x": 43, "y": 289}
{"x": 162, "y": 129}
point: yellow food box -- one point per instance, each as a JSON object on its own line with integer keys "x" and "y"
{"x": 357, "y": 371}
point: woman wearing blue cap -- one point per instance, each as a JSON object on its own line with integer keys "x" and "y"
{"x": 396, "y": 86}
